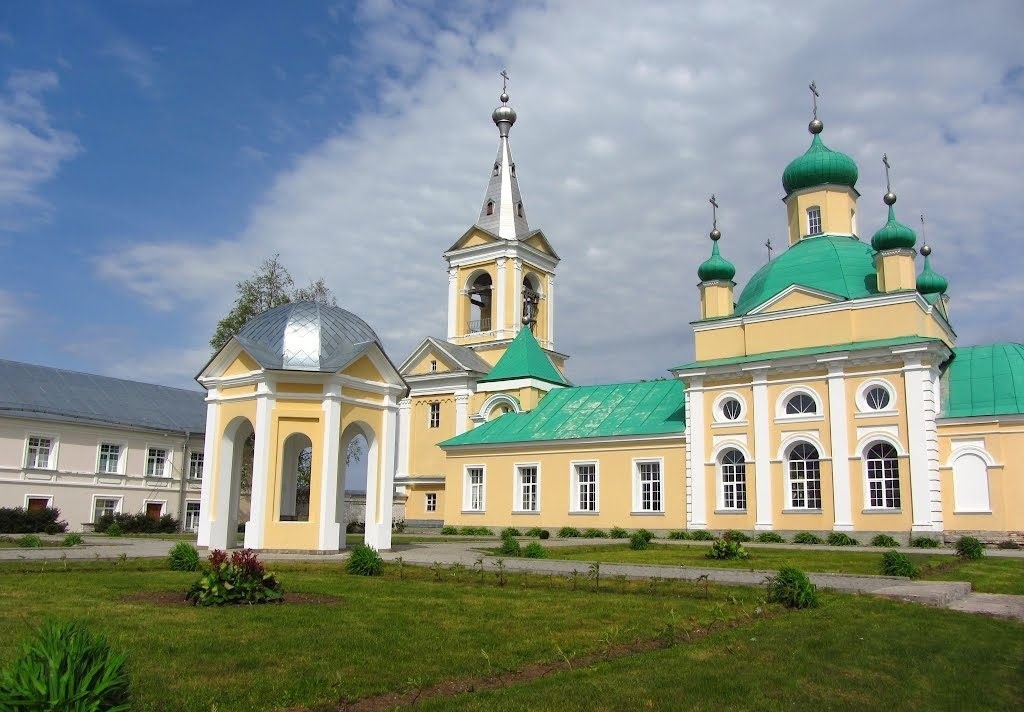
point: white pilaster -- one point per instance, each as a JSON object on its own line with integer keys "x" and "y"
{"x": 404, "y": 434}
{"x": 254, "y": 528}
{"x": 332, "y": 533}
{"x": 761, "y": 415}
{"x": 211, "y": 471}
{"x": 916, "y": 380}
{"x": 551, "y": 311}
{"x": 380, "y": 484}
{"x": 517, "y": 295}
{"x": 502, "y": 297}
{"x": 453, "y": 302}
{"x": 839, "y": 431}
{"x": 696, "y": 455}
{"x": 462, "y": 411}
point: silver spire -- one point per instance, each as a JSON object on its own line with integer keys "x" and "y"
{"x": 503, "y": 212}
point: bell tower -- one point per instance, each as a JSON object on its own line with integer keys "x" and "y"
{"x": 501, "y": 273}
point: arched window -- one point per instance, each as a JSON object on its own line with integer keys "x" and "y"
{"x": 734, "y": 480}
{"x": 801, "y": 404}
{"x": 497, "y": 168}
{"x": 479, "y": 294}
{"x": 513, "y": 168}
{"x": 814, "y": 220}
{"x": 804, "y": 477}
{"x": 883, "y": 476}
{"x": 519, "y": 209}
{"x": 970, "y": 483}
{"x": 490, "y": 207}
{"x": 531, "y": 300}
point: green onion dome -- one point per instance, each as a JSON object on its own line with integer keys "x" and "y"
{"x": 894, "y": 235}
{"x": 716, "y": 267}
{"x": 930, "y": 282}
{"x": 818, "y": 166}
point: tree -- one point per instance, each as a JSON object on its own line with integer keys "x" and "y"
{"x": 270, "y": 286}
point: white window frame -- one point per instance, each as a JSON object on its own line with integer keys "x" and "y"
{"x": 122, "y": 457}
{"x": 638, "y": 487}
{"x": 117, "y": 507}
{"x": 867, "y": 480}
{"x": 467, "y": 496}
{"x": 982, "y": 454}
{"x": 434, "y": 408}
{"x": 185, "y": 515}
{"x": 718, "y": 409}
{"x": 430, "y": 502}
{"x": 574, "y": 486}
{"x": 789, "y": 478}
{"x": 518, "y": 485}
{"x": 51, "y": 460}
{"x": 783, "y": 400}
{"x": 862, "y": 398}
{"x": 167, "y": 468}
{"x": 720, "y": 472}
{"x": 810, "y": 222}
{"x": 47, "y": 497}
{"x": 202, "y": 467}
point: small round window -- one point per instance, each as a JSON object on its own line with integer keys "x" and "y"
{"x": 801, "y": 404}
{"x": 876, "y": 398}
{"x": 731, "y": 409}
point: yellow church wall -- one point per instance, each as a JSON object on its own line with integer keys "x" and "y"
{"x": 538, "y": 244}
{"x": 716, "y": 300}
{"x": 797, "y": 300}
{"x": 1004, "y": 442}
{"x": 285, "y": 422}
{"x": 896, "y": 271}
{"x": 836, "y": 203}
{"x": 476, "y": 239}
{"x": 615, "y": 466}
{"x": 364, "y": 369}
{"x": 427, "y": 365}
{"x": 425, "y": 457}
{"x": 361, "y": 394}
{"x": 724, "y": 342}
{"x": 416, "y": 502}
{"x": 237, "y": 391}
{"x": 242, "y": 364}
{"x": 311, "y": 388}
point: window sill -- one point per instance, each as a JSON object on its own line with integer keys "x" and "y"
{"x": 975, "y": 511}
{"x": 730, "y": 511}
{"x": 647, "y": 514}
{"x": 587, "y": 513}
{"x": 882, "y": 510}
{"x": 474, "y": 511}
{"x": 525, "y": 511}
{"x": 866, "y": 414}
{"x": 802, "y": 511}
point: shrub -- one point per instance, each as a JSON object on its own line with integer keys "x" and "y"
{"x": 29, "y": 541}
{"x": 183, "y": 557}
{"x": 545, "y": 534}
{"x": 510, "y": 546}
{"x": 679, "y": 534}
{"x": 726, "y": 549}
{"x": 138, "y": 523}
{"x": 1008, "y": 544}
{"x": 364, "y": 561}
{"x": 240, "y": 578}
{"x": 65, "y": 667}
{"x": 645, "y": 534}
{"x": 884, "y": 540}
{"x": 770, "y": 538}
{"x": 638, "y": 542}
{"x": 702, "y": 535}
{"x": 792, "y": 588}
{"x": 924, "y": 542}
{"x": 448, "y": 529}
{"x": 533, "y": 550}
{"x": 594, "y": 533}
{"x": 841, "y": 539}
{"x": 969, "y": 548}
{"x": 510, "y": 531}
{"x": 895, "y": 563}
{"x": 569, "y": 532}
{"x": 806, "y": 538}
{"x": 72, "y": 539}
{"x": 533, "y": 531}
{"x": 475, "y": 531}
{"x": 398, "y": 526}
{"x": 18, "y": 520}
{"x": 735, "y": 535}
{"x": 114, "y": 530}
{"x": 618, "y": 533}
{"x": 355, "y": 527}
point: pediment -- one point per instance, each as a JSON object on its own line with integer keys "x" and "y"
{"x": 797, "y": 297}
{"x": 474, "y": 237}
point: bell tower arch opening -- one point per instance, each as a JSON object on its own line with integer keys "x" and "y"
{"x": 480, "y": 294}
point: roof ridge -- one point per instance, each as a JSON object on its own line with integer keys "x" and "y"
{"x": 98, "y": 375}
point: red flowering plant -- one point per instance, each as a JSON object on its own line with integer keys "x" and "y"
{"x": 240, "y": 578}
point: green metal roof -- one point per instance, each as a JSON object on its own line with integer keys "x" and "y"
{"x": 807, "y": 351}
{"x": 618, "y": 409}
{"x": 716, "y": 266}
{"x": 837, "y": 264}
{"x": 524, "y": 358}
{"x": 929, "y": 281}
{"x": 985, "y": 380}
{"x": 820, "y": 165}
{"x": 894, "y": 235}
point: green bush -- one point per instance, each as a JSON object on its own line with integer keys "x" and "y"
{"x": 884, "y": 540}
{"x": 638, "y": 542}
{"x": 533, "y": 550}
{"x": 618, "y": 533}
{"x": 569, "y": 532}
{"x": 841, "y": 539}
{"x": 474, "y": 531}
{"x": 645, "y": 534}
{"x": 114, "y": 529}
{"x": 895, "y": 563}
{"x": 735, "y": 535}
{"x": 594, "y": 533}
{"x": 770, "y": 538}
{"x": 545, "y": 534}
{"x": 183, "y": 557}
{"x": 806, "y": 538}
{"x": 18, "y": 520}
{"x": 240, "y": 578}
{"x": 702, "y": 535}
{"x": 726, "y": 549}
{"x": 449, "y": 530}
{"x": 138, "y": 523}
{"x": 924, "y": 542}
{"x": 72, "y": 539}
{"x": 65, "y": 667}
{"x": 29, "y": 541}
{"x": 510, "y": 546}
{"x": 533, "y": 531}
{"x": 969, "y": 548}
{"x": 679, "y": 534}
{"x": 792, "y": 588}
{"x": 510, "y": 531}
{"x": 364, "y": 561}
{"x": 1008, "y": 544}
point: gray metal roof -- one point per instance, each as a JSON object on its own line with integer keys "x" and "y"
{"x": 503, "y": 193}
{"x": 463, "y": 355}
{"x": 44, "y": 393}
{"x": 306, "y": 336}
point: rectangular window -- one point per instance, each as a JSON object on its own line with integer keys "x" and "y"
{"x": 529, "y": 481}
{"x": 734, "y": 485}
{"x": 884, "y": 482}
{"x": 110, "y": 459}
{"x": 649, "y": 474}
{"x": 814, "y": 221}
{"x": 192, "y": 516}
{"x": 195, "y": 466}
{"x": 39, "y": 450}
{"x": 36, "y": 504}
{"x": 156, "y": 462}
{"x": 475, "y": 489}
{"x": 586, "y": 487}
{"x": 103, "y": 506}
{"x": 805, "y": 484}
{"x": 431, "y": 502}
{"x": 435, "y": 415}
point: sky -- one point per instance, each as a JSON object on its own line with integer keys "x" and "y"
{"x": 153, "y": 153}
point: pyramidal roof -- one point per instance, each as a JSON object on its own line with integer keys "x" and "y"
{"x": 502, "y": 212}
{"x": 524, "y": 358}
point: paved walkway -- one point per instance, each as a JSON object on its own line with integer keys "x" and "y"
{"x": 956, "y": 595}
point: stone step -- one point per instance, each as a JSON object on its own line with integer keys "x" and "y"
{"x": 931, "y": 593}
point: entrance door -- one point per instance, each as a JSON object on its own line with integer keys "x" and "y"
{"x": 154, "y": 510}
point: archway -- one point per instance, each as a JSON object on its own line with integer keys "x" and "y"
{"x": 357, "y": 456}
{"x": 233, "y": 480}
{"x": 480, "y": 298}
{"x": 296, "y": 473}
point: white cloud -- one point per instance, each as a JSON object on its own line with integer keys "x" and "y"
{"x": 31, "y": 148}
{"x": 629, "y": 117}
{"x": 134, "y": 60}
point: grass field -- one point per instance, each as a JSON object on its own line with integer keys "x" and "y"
{"x": 408, "y": 635}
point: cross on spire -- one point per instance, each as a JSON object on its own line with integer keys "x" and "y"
{"x": 814, "y": 96}
{"x": 923, "y": 239}
{"x": 714, "y": 211}
{"x": 885, "y": 162}
{"x": 768, "y": 244}
{"x": 504, "y": 81}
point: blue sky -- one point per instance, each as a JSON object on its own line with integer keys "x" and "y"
{"x": 153, "y": 153}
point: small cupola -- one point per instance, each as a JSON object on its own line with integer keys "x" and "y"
{"x": 894, "y": 235}
{"x": 894, "y": 246}
{"x": 716, "y": 275}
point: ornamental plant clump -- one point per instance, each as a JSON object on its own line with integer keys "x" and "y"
{"x": 638, "y": 542}
{"x": 364, "y": 561}
{"x": 806, "y": 538}
{"x": 735, "y": 535}
{"x": 770, "y": 538}
{"x": 569, "y": 532}
{"x": 510, "y": 531}
{"x": 727, "y": 549}
{"x": 702, "y": 535}
{"x": 645, "y": 534}
{"x": 510, "y": 546}
{"x": 183, "y": 557}
{"x": 895, "y": 563}
{"x": 65, "y": 667}
{"x": 72, "y": 539}
{"x": 18, "y": 520}
{"x": 679, "y": 535}
{"x": 884, "y": 540}
{"x": 240, "y": 578}
{"x": 29, "y": 541}
{"x": 449, "y": 530}
{"x": 792, "y": 588}
{"x": 545, "y": 534}
{"x": 618, "y": 533}
{"x": 841, "y": 539}
{"x": 533, "y": 531}
{"x": 924, "y": 542}
{"x": 594, "y": 533}
{"x": 534, "y": 550}
{"x": 969, "y": 548}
